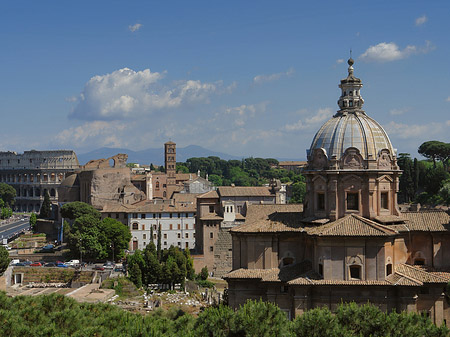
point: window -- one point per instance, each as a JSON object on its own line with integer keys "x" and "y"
{"x": 350, "y": 103}
{"x": 157, "y": 186}
{"x": 320, "y": 269}
{"x": 345, "y": 104}
{"x": 165, "y": 243}
{"x": 179, "y": 226}
{"x": 355, "y": 272}
{"x": 352, "y": 201}
{"x": 145, "y": 243}
{"x": 142, "y": 216}
{"x": 179, "y": 235}
{"x": 320, "y": 201}
{"x": 154, "y": 215}
{"x": 154, "y": 236}
{"x": 135, "y": 226}
{"x": 187, "y": 226}
{"x": 211, "y": 235}
{"x": 187, "y": 235}
{"x": 144, "y": 236}
{"x": 135, "y": 215}
{"x": 179, "y": 243}
{"x": 211, "y": 209}
{"x": 143, "y": 227}
{"x": 389, "y": 269}
{"x": 179, "y": 214}
{"x": 384, "y": 200}
{"x": 171, "y": 226}
{"x": 187, "y": 245}
{"x": 117, "y": 215}
{"x": 287, "y": 261}
{"x": 419, "y": 262}
{"x": 165, "y": 236}
{"x": 350, "y": 93}
{"x": 211, "y": 248}
{"x": 154, "y": 227}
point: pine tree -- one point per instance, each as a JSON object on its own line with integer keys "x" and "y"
{"x": 46, "y": 209}
{"x": 158, "y": 245}
{"x": 151, "y": 233}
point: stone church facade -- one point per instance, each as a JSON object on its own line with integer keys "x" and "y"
{"x": 351, "y": 242}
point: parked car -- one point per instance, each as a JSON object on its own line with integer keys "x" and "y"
{"x": 62, "y": 265}
{"x": 14, "y": 262}
{"x": 50, "y": 264}
{"x": 21, "y": 264}
{"x": 73, "y": 263}
{"x": 99, "y": 268}
{"x": 36, "y": 264}
{"x": 27, "y": 263}
{"x": 48, "y": 248}
{"x": 119, "y": 268}
{"x": 108, "y": 265}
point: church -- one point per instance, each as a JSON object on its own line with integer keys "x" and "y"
{"x": 351, "y": 242}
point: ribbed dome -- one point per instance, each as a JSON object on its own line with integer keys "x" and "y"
{"x": 352, "y": 129}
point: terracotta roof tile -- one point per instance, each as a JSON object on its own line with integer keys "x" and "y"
{"x": 400, "y": 280}
{"x": 352, "y": 225}
{"x": 212, "y": 216}
{"x": 419, "y": 274}
{"x": 208, "y": 195}
{"x": 244, "y": 191}
{"x": 428, "y": 221}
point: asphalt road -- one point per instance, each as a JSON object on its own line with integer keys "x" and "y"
{"x": 11, "y": 229}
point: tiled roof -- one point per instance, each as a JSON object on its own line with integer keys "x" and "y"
{"x": 399, "y": 280}
{"x": 183, "y": 176}
{"x": 211, "y": 216}
{"x": 291, "y": 163}
{"x": 249, "y": 273}
{"x": 272, "y": 218}
{"x": 244, "y": 191}
{"x": 115, "y": 208}
{"x": 208, "y": 195}
{"x": 352, "y": 225}
{"x": 419, "y": 274}
{"x": 185, "y": 197}
{"x": 136, "y": 177}
{"x": 424, "y": 221}
{"x": 389, "y": 218}
{"x": 151, "y": 207}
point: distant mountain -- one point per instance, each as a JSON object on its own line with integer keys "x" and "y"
{"x": 152, "y": 155}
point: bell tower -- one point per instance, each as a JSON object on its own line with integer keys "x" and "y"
{"x": 170, "y": 162}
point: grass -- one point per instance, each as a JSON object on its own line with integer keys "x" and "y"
{"x": 123, "y": 287}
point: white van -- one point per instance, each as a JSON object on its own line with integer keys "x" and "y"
{"x": 73, "y": 263}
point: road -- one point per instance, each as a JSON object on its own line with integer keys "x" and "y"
{"x": 9, "y": 230}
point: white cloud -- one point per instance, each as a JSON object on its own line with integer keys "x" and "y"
{"x": 415, "y": 131}
{"x": 401, "y": 111}
{"x": 386, "y": 52}
{"x": 135, "y": 27}
{"x": 272, "y": 77}
{"x": 126, "y": 93}
{"x": 311, "y": 122}
{"x": 421, "y": 20}
{"x": 100, "y": 133}
{"x": 448, "y": 99}
{"x": 339, "y": 61}
{"x": 244, "y": 112}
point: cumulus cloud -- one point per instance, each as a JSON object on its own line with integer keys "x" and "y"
{"x": 421, "y": 20}
{"x": 126, "y": 93}
{"x": 244, "y": 112}
{"x": 387, "y": 52}
{"x": 259, "y": 79}
{"x": 396, "y": 112}
{"x": 415, "y": 131}
{"x": 311, "y": 122}
{"x": 135, "y": 27}
{"x": 100, "y": 133}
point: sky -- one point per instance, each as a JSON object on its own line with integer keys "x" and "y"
{"x": 248, "y": 78}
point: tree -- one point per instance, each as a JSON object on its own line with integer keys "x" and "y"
{"x": 317, "y": 322}
{"x": 135, "y": 275}
{"x": 7, "y": 194}
{"x": 298, "y": 192}
{"x": 86, "y": 236}
{"x": 216, "y": 321}
{"x": 436, "y": 150}
{"x": 117, "y": 235}
{"x": 73, "y": 210}
{"x": 406, "y": 184}
{"x": 158, "y": 245}
{"x": 152, "y": 272}
{"x": 46, "y": 208}
{"x": 33, "y": 220}
{"x": 4, "y": 259}
{"x": 204, "y": 273}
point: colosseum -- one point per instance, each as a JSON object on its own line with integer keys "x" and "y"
{"x": 34, "y": 172}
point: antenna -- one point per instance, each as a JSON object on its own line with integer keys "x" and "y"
{"x": 350, "y": 52}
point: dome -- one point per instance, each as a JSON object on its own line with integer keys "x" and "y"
{"x": 351, "y": 130}
{"x": 350, "y": 126}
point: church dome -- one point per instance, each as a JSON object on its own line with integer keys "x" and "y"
{"x": 350, "y": 126}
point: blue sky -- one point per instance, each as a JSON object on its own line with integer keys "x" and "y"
{"x": 249, "y": 78}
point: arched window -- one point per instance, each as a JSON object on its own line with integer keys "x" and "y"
{"x": 52, "y": 192}
{"x": 355, "y": 272}
{"x": 135, "y": 226}
{"x": 388, "y": 269}
{"x": 157, "y": 186}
